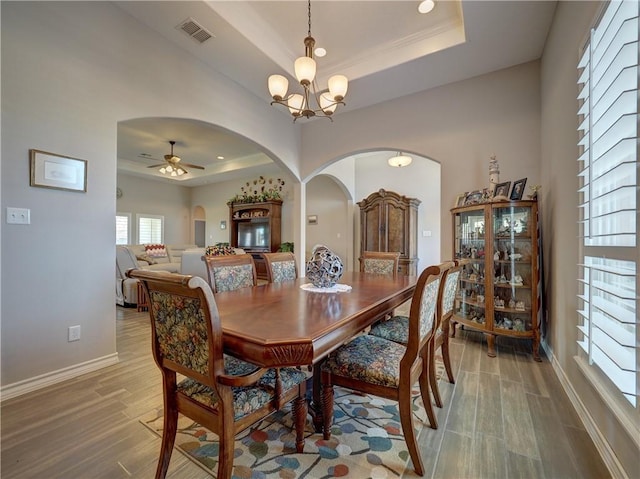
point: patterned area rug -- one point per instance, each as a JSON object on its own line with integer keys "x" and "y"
{"x": 366, "y": 442}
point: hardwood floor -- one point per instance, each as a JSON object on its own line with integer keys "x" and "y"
{"x": 505, "y": 417}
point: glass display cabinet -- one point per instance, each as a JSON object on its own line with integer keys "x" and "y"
{"x": 498, "y": 294}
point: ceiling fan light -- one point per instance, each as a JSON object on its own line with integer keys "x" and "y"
{"x": 163, "y": 170}
{"x": 169, "y": 169}
{"x": 305, "y": 68}
{"x": 327, "y": 104}
{"x": 338, "y": 85}
{"x": 278, "y": 86}
{"x": 181, "y": 172}
{"x": 173, "y": 173}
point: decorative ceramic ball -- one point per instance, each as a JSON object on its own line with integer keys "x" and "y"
{"x": 324, "y": 268}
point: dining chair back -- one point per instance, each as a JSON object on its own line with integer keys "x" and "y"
{"x": 380, "y": 262}
{"x": 280, "y": 267}
{"x": 377, "y": 366}
{"x": 228, "y": 273}
{"x": 397, "y": 328}
{"x": 223, "y": 394}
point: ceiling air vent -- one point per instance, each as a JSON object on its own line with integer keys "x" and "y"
{"x": 194, "y": 30}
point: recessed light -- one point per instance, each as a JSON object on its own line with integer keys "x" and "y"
{"x": 426, "y": 6}
{"x": 320, "y": 52}
{"x": 220, "y": 157}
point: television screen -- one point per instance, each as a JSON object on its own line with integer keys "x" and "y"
{"x": 253, "y": 235}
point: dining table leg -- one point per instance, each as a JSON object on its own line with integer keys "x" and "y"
{"x": 315, "y": 406}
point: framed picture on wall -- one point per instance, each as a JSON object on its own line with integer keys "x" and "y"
{"x": 49, "y": 170}
{"x": 518, "y": 189}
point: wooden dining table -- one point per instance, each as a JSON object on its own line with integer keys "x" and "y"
{"x": 281, "y": 324}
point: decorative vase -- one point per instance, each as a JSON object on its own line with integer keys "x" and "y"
{"x": 324, "y": 268}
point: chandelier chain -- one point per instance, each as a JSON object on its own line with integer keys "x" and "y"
{"x": 309, "y": 9}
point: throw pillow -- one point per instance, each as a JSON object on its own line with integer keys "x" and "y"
{"x": 156, "y": 250}
{"x": 145, "y": 257}
{"x": 219, "y": 250}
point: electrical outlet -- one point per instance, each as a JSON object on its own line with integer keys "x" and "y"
{"x": 74, "y": 333}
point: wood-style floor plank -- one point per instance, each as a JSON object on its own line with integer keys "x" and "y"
{"x": 504, "y": 417}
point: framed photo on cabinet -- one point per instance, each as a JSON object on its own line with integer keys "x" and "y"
{"x": 502, "y": 189}
{"x": 518, "y": 189}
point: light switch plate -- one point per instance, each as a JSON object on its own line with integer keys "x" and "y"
{"x": 18, "y": 216}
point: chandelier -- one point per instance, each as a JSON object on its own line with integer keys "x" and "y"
{"x": 311, "y": 102}
{"x": 400, "y": 160}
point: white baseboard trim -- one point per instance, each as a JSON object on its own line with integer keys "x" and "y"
{"x": 38, "y": 382}
{"x": 602, "y": 445}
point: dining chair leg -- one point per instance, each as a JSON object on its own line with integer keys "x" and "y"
{"x": 446, "y": 358}
{"x": 170, "y": 426}
{"x": 423, "y": 381}
{"x": 227, "y": 445}
{"x": 406, "y": 419}
{"x": 327, "y": 409}
{"x": 433, "y": 380}
{"x": 299, "y": 420}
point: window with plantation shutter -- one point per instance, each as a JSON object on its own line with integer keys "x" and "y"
{"x": 150, "y": 229}
{"x": 608, "y": 198}
{"x": 123, "y": 230}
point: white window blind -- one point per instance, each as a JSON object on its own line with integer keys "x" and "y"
{"x": 150, "y": 229}
{"x": 608, "y": 173}
{"x": 123, "y": 232}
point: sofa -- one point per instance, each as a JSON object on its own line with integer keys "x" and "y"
{"x": 139, "y": 256}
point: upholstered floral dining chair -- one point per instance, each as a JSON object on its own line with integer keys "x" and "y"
{"x": 380, "y": 262}
{"x": 224, "y": 394}
{"x": 280, "y": 267}
{"x": 228, "y": 273}
{"x": 397, "y": 328}
{"x": 374, "y": 365}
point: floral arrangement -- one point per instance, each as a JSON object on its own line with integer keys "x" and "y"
{"x": 261, "y": 189}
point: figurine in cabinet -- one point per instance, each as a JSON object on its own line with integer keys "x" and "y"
{"x": 516, "y": 280}
{"x": 480, "y": 298}
{"x": 518, "y": 324}
{"x": 515, "y": 256}
{"x": 512, "y": 303}
{"x": 496, "y": 256}
{"x": 520, "y": 305}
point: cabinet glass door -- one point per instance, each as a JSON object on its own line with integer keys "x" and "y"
{"x": 470, "y": 246}
{"x": 512, "y": 268}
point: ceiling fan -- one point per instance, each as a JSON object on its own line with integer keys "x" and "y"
{"x": 172, "y": 164}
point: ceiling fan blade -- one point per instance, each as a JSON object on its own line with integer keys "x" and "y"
{"x": 197, "y": 167}
{"x": 157, "y": 166}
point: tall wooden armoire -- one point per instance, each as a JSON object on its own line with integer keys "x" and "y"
{"x": 389, "y": 222}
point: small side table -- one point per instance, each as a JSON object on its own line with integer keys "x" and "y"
{"x": 143, "y": 304}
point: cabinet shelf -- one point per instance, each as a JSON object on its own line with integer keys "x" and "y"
{"x": 498, "y": 240}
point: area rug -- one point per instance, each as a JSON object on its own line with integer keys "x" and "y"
{"x": 366, "y": 442}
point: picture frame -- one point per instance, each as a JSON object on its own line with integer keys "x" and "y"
{"x": 312, "y": 219}
{"x": 50, "y": 170}
{"x": 502, "y": 189}
{"x": 460, "y": 200}
{"x": 518, "y": 189}
{"x": 473, "y": 198}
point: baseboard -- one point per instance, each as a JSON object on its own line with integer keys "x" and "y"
{"x": 602, "y": 445}
{"x": 38, "y": 382}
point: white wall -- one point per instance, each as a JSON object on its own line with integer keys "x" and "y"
{"x": 459, "y": 125}
{"x": 149, "y": 197}
{"x": 70, "y": 72}
{"x": 327, "y": 200}
{"x": 559, "y": 215}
